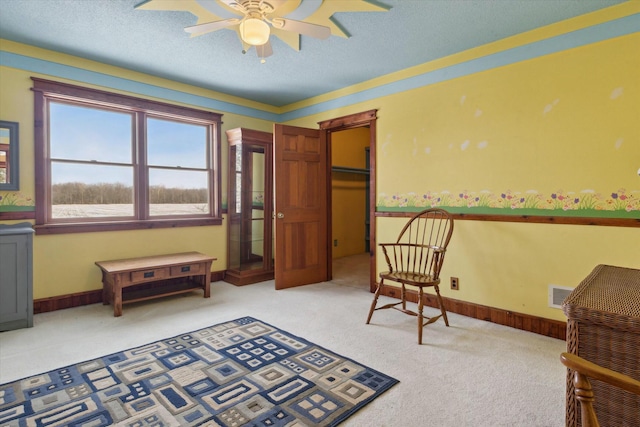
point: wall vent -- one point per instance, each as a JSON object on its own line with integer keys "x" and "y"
{"x": 557, "y": 295}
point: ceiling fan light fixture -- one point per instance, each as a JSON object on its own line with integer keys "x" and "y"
{"x": 254, "y": 31}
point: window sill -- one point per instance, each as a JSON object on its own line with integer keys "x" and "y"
{"x": 92, "y": 227}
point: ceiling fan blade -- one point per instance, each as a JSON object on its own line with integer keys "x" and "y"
{"x": 265, "y": 50}
{"x": 211, "y": 26}
{"x": 300, "y": 27}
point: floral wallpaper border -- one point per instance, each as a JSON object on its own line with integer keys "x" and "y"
{"x": 617, "y": 204}
{"x": 16, "y": 202}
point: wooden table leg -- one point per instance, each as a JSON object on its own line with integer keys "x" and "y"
{"x": 117, "y": 300}
{"x": 106, "y": 289}
{"x": 207, "y": 290}
{"x": 207, "y": 280}
{"x": 105, "y": 292}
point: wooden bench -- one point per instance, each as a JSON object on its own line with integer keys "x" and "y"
{"x": 163, "y": 275}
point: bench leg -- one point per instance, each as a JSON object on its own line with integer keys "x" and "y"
{"x": 117, "y": 301}
{"x": 105, "y": 293}
{"x": 106, "y": 289}
{"x": 207, "y": 282}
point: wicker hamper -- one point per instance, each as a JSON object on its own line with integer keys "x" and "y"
{"x": 603, "y": 326}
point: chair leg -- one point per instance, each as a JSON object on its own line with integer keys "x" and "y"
{"x": 375, "y": 301}
{"x": 403, "y": 296}
{"x": 441, "y": 304}
{"x": 420, "y": 317}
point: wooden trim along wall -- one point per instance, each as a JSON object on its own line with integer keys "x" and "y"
{"x": 44, "y": 305}
{"x": 615, "y": 222}
{"x": 17, "y": 215}
{"x": 525, "y": 322}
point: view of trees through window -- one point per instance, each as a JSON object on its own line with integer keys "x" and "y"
{"x": 94, "y": 163}
{"x": 118, "y": 158}
{"x": 121, "y": 198}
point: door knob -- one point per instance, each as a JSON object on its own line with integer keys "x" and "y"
{"x": 280, "y": 215}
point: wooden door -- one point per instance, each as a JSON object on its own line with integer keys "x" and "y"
{"x": 301, "y": 180}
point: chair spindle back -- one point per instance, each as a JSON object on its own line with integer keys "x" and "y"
{"x": 426, "y": 237}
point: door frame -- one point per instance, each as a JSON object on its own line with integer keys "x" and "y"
{"x": 362, "y": 119}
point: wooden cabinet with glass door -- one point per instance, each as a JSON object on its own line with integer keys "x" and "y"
{"x": 250, "y": 207}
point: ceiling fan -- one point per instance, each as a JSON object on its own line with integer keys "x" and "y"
{"x": 254, "y": 27}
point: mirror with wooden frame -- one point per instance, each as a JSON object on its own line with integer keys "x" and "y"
{"x": 9, "y": 167}
{"x": 250, "y": 207}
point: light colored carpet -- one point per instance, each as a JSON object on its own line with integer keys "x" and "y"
{"x": 473, "y": 373}
{"x": 352, "y": 271}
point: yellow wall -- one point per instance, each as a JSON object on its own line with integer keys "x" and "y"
{"x": 504, "y": 264}
{"x": 563, "y": 126}
{"x": 510, "y": 265}
{"x": 348, "y": 195}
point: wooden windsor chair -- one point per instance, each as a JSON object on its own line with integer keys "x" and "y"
{"x": 416, "y": 259}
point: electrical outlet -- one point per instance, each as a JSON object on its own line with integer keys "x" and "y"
{"x": 455, "y": 283}
{"x": 335, "y": 242}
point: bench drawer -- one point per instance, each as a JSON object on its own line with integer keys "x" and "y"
{"x": 151, "y": 274}
{"x": 187, "y": 270}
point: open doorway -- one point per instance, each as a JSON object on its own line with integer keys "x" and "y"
{"x": 350, "y": 206}
{"x": 351, "y": 144}
{"x": 303, "y": 206}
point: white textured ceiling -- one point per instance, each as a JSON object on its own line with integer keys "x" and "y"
{"x": 411, "y": 32}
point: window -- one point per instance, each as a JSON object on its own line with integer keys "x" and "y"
{"x": 112, "y": 162}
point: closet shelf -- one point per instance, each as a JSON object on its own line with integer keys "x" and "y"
{"x": 345, "y": 169}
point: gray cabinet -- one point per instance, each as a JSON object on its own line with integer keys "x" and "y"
{"x": 16, "y": 276}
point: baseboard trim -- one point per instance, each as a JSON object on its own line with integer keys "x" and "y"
{"x": 525, "y": 322}
{"x": 538, "y": 325}
{"x": 61, "y": 302}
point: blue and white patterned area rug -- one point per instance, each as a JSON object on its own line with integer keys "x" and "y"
{"x": 243, "y": 372}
